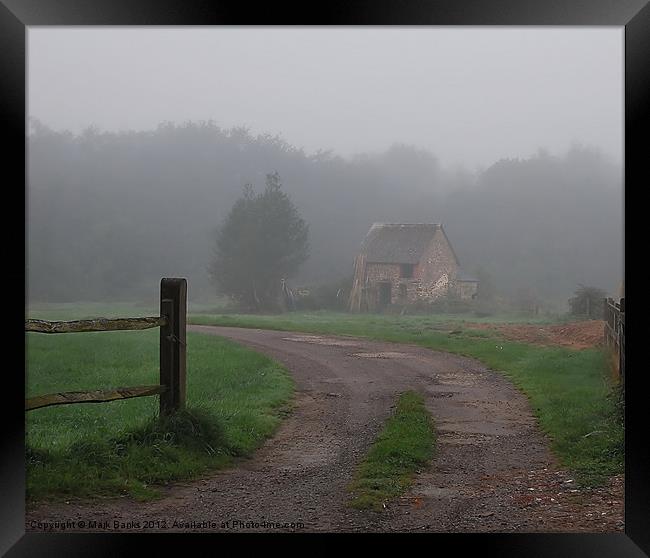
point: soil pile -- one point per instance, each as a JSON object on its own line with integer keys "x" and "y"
{"x": 576, "y": 335}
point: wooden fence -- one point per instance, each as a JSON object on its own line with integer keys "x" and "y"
{"x": 172, "y": 323}
{"x": 614, "y": 316}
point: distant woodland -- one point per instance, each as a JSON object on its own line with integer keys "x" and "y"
{"x": 109, "y": 214}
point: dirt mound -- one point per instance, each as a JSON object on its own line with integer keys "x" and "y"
{"x": 576, "y": 335}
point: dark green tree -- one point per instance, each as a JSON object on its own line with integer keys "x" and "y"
{"x": 262, "y": 241}
{"x": 587, "y": 301}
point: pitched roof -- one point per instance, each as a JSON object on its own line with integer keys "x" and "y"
{"x": 398, "y": 242}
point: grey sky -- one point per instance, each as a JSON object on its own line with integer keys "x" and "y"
{"x": 471, "y": 95}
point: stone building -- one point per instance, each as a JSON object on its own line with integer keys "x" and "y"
{"x": 406, "y": 263}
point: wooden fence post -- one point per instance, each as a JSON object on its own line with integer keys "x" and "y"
{"x": 621, "y": 343}
{"x": 605, "y": 319}
{"x": 173, "y": 307}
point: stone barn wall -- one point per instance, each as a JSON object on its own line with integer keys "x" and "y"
{"x": 377, "y": 272}
{"x": 437, "y": 269}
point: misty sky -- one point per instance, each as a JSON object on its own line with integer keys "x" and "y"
{"x": 471, "y": 95}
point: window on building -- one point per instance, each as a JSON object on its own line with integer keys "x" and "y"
{"x": 406, "y": 271}
{"x": 402, "y": 291}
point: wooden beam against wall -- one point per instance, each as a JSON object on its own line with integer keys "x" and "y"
{"x": 356, "y": 292}
{"x": 96, "y": 324}
{"x": 95, "y": 396}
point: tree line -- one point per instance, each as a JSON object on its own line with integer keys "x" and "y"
{"x": 109, "y": 213}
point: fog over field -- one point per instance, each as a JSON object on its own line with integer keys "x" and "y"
{"x": 142, "y": 139}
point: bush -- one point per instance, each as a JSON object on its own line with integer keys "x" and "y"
{"x": 588, "y": 302}
{"x": 329, "y": 296}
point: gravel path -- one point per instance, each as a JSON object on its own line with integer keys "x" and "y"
{"x": 492, "y": 471}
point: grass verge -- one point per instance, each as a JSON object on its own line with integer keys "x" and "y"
{"x": 570, "y": 391}
{"x": 236, "y": 398}
{"x": 405, "y": 444}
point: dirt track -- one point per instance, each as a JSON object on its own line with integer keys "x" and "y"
{"x": 492, "y": 472}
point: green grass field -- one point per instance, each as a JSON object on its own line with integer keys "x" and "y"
{"x": 235, "y": 400}
{"x": 570, "y": 391}
{"x": 406, "y": 443}
{"x": 334, "y": 321}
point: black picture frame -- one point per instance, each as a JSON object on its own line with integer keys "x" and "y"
{"x": 634, "y": 15}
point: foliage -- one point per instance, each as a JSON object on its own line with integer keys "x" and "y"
{"x": 328, "y": 296}
{"x": 405, "y": 444}
{"x": 569, "y": 391}
{"x": 588, "y": 301}
{"x": 109, "y": 213}
{"x": 235, "y": 400}
{"x": 447, "y": 304}
{"x": 262, "y": 241}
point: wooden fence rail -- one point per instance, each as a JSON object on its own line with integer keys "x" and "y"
{"x": 96, "y": 396}
{"x": 172, "y": 323}
{"x": 96, "y": 324}
{"x": 614, "y": 316}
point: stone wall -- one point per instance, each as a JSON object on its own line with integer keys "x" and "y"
{"x": 437, "y": 269}
{"x": 377, "y": 272}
